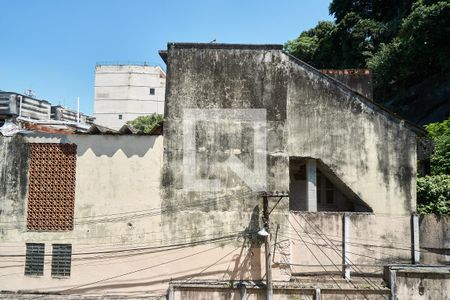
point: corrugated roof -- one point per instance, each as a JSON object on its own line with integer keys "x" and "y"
{"x": 60, "y": 127}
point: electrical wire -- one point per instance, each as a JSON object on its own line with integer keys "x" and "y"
{"x": 318, "y": 261}
{"x": 162, "y": 247}
{"x": 340, "y": 253}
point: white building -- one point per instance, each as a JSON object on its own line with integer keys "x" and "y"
{"x": 125, "y": 92}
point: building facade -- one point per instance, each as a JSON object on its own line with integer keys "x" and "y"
{"x": 112, "y": 214}
{"x": 125, "y": 92}
{"x": 15, "y": 105}
{"x": 62, "y": 113}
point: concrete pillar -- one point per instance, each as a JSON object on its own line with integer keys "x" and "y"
{"x": 346, "y": 241}
{"x": 243, "y": 290}
{"x": 415, "y": 242}
{"x": 311, "y": 185}
{"x": 317, "y": 294}
{"x": 171, "y": 293}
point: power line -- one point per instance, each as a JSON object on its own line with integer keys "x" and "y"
{"x": 351, "y": 282}
{"x": 318, "y": 261}
{"x": 137, "y": 249}
{"x": 144, "y": 213}
{"x": 139, "y": 270}
{"x": 371, "y": 245}
{"x": 337, "y": 251}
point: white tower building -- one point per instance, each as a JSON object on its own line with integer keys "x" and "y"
{"x": 124, "y": 92}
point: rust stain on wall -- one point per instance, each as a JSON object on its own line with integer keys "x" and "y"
{"x": 51, "y": 190}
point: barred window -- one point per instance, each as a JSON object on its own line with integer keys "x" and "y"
{"x": 34, "y": 259}
{"x": 51, "y": 188}
{"x": 61, "y": 259}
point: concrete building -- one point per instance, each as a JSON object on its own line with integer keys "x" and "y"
{"x": 113, "y": 214}
{"x": 62, "y": 113}
{"x": 15, "y": 105}
{"x": 125, "y": 92}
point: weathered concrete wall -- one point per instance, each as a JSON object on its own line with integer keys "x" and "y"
{"x": 411, "y": 285}
{"x": 14, "y": 178}
{"x": 371, "y": 151}
{"x": 435, "y": 239}
{"x": 308, "y": 115}
{"x": 418, "y": 281}
{"x": 282, "y": 293}
{"x": 359, "y": 80}
{"x": 120, "y": 246}
{"x": 373, "y": 241}
{"x": 223, "y": 79}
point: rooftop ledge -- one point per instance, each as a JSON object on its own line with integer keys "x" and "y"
{"x": 224, "y": 46}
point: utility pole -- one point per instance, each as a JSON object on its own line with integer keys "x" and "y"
{"x": 266, "y": 233}
{"x": 265, "y": 219}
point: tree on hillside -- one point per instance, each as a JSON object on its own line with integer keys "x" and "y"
{"x": 404, "y": 42}
{"x": 433, "y": 191}
{"x": 146, "y": 124}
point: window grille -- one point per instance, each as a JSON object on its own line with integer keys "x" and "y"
{"x": 34, "y": 259}
{"x": 61, "y": 259}
{"x": 51, "y": 187}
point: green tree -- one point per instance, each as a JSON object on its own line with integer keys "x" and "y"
{"x": 440, "y": 159}
{"x": 433, "y": 192}
{"x": 404, "y": 42}
{"x": 146, "y": 124}
{"x": 315, "y": 46}
{"x": 419, "y": 51}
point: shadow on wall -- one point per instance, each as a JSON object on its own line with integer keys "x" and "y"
{"x": 102, "y": 145}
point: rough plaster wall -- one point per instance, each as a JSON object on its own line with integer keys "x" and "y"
{"x": 435, "y": 239}
{"x": 435, "y": 286}
{"x": 117, "y": 210}
{"x": 374, "y": 240}
{"x": 14, "y": 159}
{"x": 377, "y": 240}
{"x": 205, "y": 78}
{"x": 370, "y": 151}
{"x": 362, "y": 83}
{"x": 115, "y": 176}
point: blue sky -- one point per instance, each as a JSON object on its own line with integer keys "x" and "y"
{"x": 52, "y": 46}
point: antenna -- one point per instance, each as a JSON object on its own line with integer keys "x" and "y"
{"x": 30, "y": 93}
{"x": 78, "y": 109}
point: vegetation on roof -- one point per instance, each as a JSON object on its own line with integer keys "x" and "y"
{"x": 146, "y": 124}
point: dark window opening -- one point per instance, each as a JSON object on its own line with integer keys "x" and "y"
{"x": 120, "y": 117}
{"x": 152, "y": 91}
{"x": 330, "y": 192}
{"x": 319, "y": 188}
{"x": 34, "y": 259}
{"x": 61, "y": 259}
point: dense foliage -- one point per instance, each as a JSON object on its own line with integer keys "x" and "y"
{"x": 433, "y": 192}
{"x": 404, "y": 42}
{"x": 145, "y": 124}
{"x": 440, "y": 159}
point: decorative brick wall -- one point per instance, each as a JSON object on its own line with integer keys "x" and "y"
{"x": 51, "y": 189}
